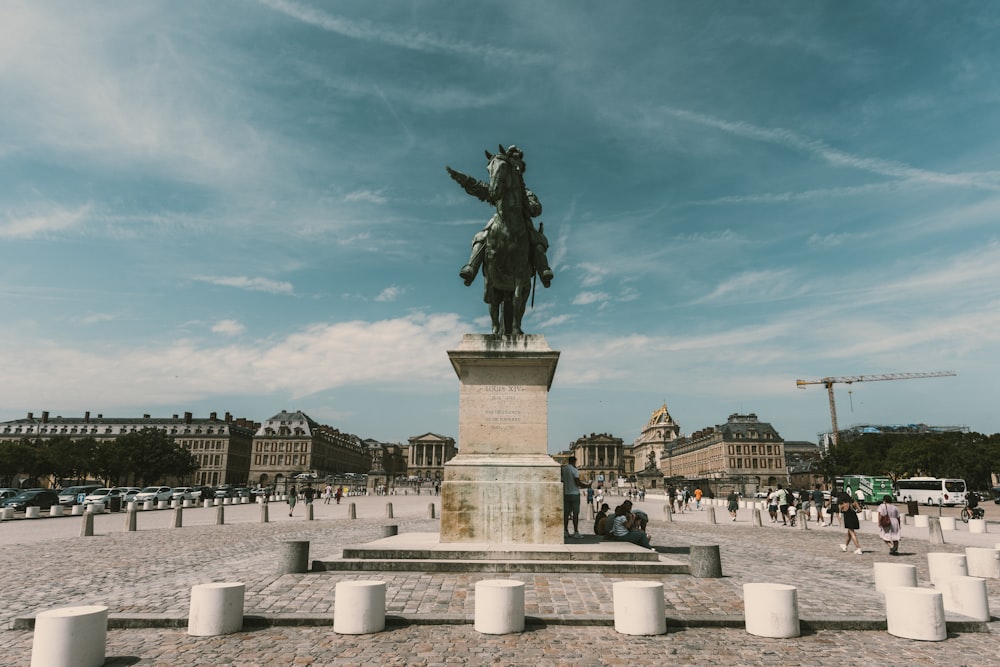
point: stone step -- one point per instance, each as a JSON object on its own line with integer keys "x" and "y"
{"x": 645, "y": 567}
{"x": 632, "y": 554}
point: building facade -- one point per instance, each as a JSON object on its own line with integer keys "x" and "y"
{"x": 745, "y": 451}
{"x": 427, "y": 455}
{"x": 602, "y": 459}
{"x": 291, "y": 443}
{"x": 220, "y": 446}
{"x": 658, "y": 435}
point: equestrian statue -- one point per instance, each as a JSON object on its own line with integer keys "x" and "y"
{"x": 509, "y": 250}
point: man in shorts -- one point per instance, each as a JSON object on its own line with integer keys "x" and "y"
{"x": 571, "y": 497}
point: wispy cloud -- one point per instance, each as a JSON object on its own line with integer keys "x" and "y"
{"x": 251, "y": 284}
{"x": 390, "y": 293}
{"x": 370, "y": 196}
{"x": 41, "y": 224}
{"x": 228, "y": 328}
{"x": 587, "y": 298}
{"x": 989, "y": 180}
{"x": 413, "y": 40}
{"x": 754, "y": 286}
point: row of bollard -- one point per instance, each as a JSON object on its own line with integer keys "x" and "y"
{"x": 87, "y": 528}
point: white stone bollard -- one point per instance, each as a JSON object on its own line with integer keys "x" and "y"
{"x": 163, "y": 504}
{"x": 983, "y": 562}
{"x": 148, "y": 505}
{"x": 947, "y": 523}
{"x": 966, "y": 596}
{"x": 359, "y": 607}
{"x": 56, "y": 510}
{"x": 244, "y": 500}
{"x": 888, "y": 575}
{"x": 499, "y": 606}
{"x": 866, "y": 515}
{"x": 920, "y": 520}
{"x": 70, "y": 637}
{"x": 175, "y": 503}
{"x": 77, "y": 510}
{"x": 771, "y": 610}
{"x": 639, "y": 608}
{"x": 7, "y": 513}
{"x": 216, "y": 609}
{"x": 977, "y": 526}
{"x": 915, "y": 613}
{"x": 943, "y": 565}
{"x": 32, "y": 512}
{"x": 95, "y": 508}
{"x": 132, "y": 506}
{"x": 206, "y": 503}
{"x": 187, "y": 502}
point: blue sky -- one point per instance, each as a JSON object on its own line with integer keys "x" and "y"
{"x": 242, "y": 206}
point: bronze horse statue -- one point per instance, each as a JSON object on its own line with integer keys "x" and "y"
{"x": 509, "y": 249}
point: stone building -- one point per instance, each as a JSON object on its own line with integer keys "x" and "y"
{"x": 427, "y": 455}
{"x": 291, "y": 443}
{"x": 388, "y": 464}
{"x": 744, "y": 452}
{"x": 658, "y": 435}
{"x": 601, "y": 458}
{"x": 220, "y": 446}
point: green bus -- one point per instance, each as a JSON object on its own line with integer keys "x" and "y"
{"x": 874, "y": 487}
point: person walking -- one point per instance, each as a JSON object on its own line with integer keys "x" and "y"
{"x": 734, "y": 503}
{"x": 293, "y": 497}
{"x": 888, "y": 524}
{"x": 571, "y": 497}
{"x": 849, "y": 509}
{"x": 818, "y": 502}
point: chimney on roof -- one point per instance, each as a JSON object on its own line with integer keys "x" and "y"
{"x": 175, "y": 416}
{"x": 229, "y": 417}
{"x": 100, "y": 416}
{"x": 86, "y": 417}
{"x": 145, "y": 416}
{"x": 187, "y": 417}
{"x": 31, "y": 415}
{"x": 213, "y": 415}
{"x": 45, "y": 416}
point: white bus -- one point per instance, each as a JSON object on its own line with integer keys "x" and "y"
{"x": 931, "y": 490}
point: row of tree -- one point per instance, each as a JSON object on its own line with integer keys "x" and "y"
{"x": 969, "y": 456}
{"x": 144, "y": 457}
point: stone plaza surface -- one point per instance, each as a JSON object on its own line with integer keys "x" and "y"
{"x": 145, "y": 578}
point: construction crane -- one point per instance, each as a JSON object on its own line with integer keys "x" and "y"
{"x": 850, "y": 379}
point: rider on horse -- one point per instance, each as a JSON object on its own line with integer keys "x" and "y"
{"x": 531, "y": 207}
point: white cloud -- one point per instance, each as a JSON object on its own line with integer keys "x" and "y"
{"x": 390, "y": 293}
{"x": 313, "y": 359}
{"x": 40, "y": 224}
{"x": 754, "y": 286}
{"x": 228, "y": 328}
{"x": 593, "y": 274}
{"x": 370, "y": 196}
{"x": 251, "y": 284}
{"x": 587, "y": 298}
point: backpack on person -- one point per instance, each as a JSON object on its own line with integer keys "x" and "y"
{"x": 884, "y": 521}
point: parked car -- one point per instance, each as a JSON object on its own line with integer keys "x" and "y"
{"x": 128, "y": 492}
{"x": 102, "y": 495}
{"x": 200, "y": 493}
{"x": 258, "y": 492}
{"x": 41, "y": 498}
{"x": 154, "y": 493}
{"x": 182, "y": 493}
{"x": 71, "y": 494}
{"x": 225, "y": 491}
{"x": 8, "y": 493}
{"x": 242, "y": 492}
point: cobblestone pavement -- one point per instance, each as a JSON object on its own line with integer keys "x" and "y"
{"x": 151, "y": 571}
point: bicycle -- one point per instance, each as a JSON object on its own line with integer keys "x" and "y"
{"x": 974, "y": 513}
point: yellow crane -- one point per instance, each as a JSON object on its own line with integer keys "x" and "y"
{"x": 850, "y": 379}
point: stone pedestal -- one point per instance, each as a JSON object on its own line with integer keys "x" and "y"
{"x": 503, "y": 487}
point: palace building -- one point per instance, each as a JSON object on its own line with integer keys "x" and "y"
{"x": 291, "y": 443}
{"x": 743, "y": 449}
{"x": 427, "y": 455}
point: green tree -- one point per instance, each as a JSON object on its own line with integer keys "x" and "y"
{"x": 111, "y": 462}
{"x": 153, "y": 456}
{"x": 15, "y": 458}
